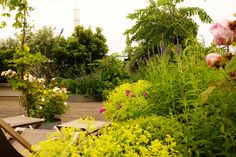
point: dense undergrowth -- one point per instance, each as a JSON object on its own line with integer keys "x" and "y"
{"x": 170, "y": 113}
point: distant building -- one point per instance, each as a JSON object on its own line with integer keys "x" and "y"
{"x": 76, "y": 13}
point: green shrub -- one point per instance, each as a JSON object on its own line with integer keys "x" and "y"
{"x": 116, "y": 140}
{"x": 111, "y": 70}
{"x": 108, "y": 73}
{"x": 70, "y": 84}
{"x": 40, "y": 100}
{"x": 179, "y": 80}
{"x": 128, "y": 101}
{"x": 127, "y": 140}
{"x": 178, "y": 83}
{"x": 59, "y": 144}
{"x": 91, "y": 85}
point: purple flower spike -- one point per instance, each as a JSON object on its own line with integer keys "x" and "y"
{"x": 127, "y": 92}
{"x": 102, "y": 110}
{"x": 163, "y": 47}
{"x": 145, "y": 94}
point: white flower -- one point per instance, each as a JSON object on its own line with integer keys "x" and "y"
{"x": 40, "y": 107}
{"x": 55, "y": 89}
{"x": 64, "y": 90}
{"x": 43, "y": 99}
{"x": 53, "y": 79}
{"x": 50, "y": 61}
{"x": 31, "y": 78}
{"x": 3, "y": 73}
{"x": 40, "y": 80}
{"x": 65, "y": 103}
{"x": 25, "y": 77}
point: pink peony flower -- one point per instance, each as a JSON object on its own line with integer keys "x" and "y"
{"x": 213, "y": 60}
{"x": 222, "y": 33}
{"x": 102, "y": 110}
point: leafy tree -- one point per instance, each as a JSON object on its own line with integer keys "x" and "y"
{"x": 7, "y": 49}
{"x": 84, "y": 47}
{"x": 160, "y": 24}
{"x": 47, "y": 43}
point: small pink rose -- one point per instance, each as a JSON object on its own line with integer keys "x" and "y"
{"x": 213, "y": 60}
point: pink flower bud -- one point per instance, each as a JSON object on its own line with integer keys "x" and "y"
{"x": 145, "y": 94}
{"x": 127, "y": 92}
{"x": 213, "y": 60}
{"x": 102, "y": 110}
{"x": 222, "y": 33}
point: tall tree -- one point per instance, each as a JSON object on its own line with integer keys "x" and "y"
{"x": 84, "y": 47}
{"x": 163, "y": 22}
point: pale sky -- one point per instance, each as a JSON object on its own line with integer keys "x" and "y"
{"x": 110, "y": 15}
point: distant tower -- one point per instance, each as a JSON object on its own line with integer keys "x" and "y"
{"x": 76, "y": 13}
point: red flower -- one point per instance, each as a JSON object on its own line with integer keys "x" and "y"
{"x": 102, "y": 110}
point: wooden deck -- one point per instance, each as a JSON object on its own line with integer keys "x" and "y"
{"x": 9, "y": 106}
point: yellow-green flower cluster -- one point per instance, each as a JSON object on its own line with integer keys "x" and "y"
{"x": 113, "y": 141}
{"x": 127, "y": 140}
{"x": 128, "y": 101}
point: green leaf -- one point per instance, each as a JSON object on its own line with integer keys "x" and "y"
{"x": 26, "y": 48}
{"x": 205, "y": 95}
{"x": 3, "y": 24}
{"x": 231, "y": 66}
{"x": 2, "y": 2}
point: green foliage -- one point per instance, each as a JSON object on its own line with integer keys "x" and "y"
{"x": 128, "y": 101}
{"x": 160, "y": 24}
{"x": 70, "y": 84}
{"x": 42, "y": 101}
{"x": 7, "y": 49}
{"x": 91, "y": 85}
{"x": 60, "y": 144}
{"x": 84, "y": 47}
{"x": 115, "y": 140}
{"x": 108, "y": 73}
{"x": 178, "y": 83}
{"x": 111, "y": 70}
{"x": 22, "y": 9}
{"x": 127, "y": 140}
{"x": 179, "y": 80}
{"x": 231, "y": 66}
